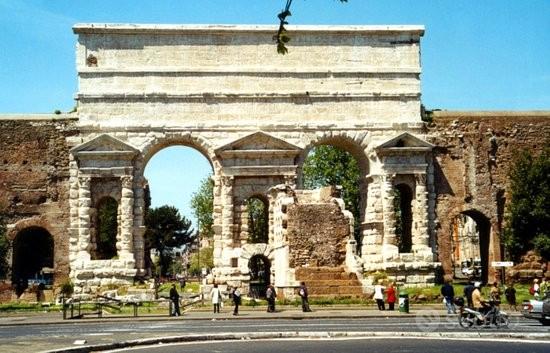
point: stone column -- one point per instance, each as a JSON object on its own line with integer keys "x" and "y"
{"x": 372, "y": 226}
{"x": 226, "y": 237}
{"x": 139, "y": 228}
{"x": 420, "y": 236}
{"x": 125, "y": 238}
{"x": 84, "y": 204}
{"x": 389, "y": 243}
{"x": 73, "y": 211}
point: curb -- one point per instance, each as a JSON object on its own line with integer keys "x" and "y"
{"x": 537, "y": 337}
{"x": 292, "y": 316}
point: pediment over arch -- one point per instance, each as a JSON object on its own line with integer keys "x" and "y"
{"x": 258, "y": 141}
{"x": 404, "y": 143}
{"x": 104, "y": 145}
{"x": 258, "y": 154}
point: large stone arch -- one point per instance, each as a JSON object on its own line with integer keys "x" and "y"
{"x": 354, "y": 143}
{"x": 188, "y": 139}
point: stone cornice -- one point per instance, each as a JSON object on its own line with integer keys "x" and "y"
{"x": 39, "y": 117}
{"x": 126, "y": 28}
{"x": 229, "y": 95}
{"x": 251, "y": 70}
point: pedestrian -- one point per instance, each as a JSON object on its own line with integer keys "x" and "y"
{"x": 270, "y": 295}
{"x": 236, "y": 300}
{"x": 544, "y": 288}
{"x": 535, "y": 289}
{"x": 495, "y": 293}
{"x": 216, "y": 296}
{"x": 302, "y": 292}
{"x": 510, "y": 294}
{"x": 468, "y": 289}
{"x": 175, "y": 298}
{"x": 448, "y": 293}
{"x": 390, "y": 296}
{"x": 379, "y": 295}
{"x": 182, "y": 283}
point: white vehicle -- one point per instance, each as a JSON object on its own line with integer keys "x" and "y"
{"x": 537, "y": 309}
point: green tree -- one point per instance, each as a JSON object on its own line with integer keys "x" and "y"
{"x": 107, "y": 229}
{"x": 202, "y": 203}
{"x": 328, "y": 165}
{"x": 282, "y": 37}
{"x": 528, "y": 216}
{"x": 166, "y": 230}
{"x": 257, "y": 221}
{"x": 202, "y": 258}
{"x": 4, "y": 249}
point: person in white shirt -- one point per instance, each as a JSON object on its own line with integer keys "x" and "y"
{"x": 379, "y": 295}
{"x": 216, "y": 296}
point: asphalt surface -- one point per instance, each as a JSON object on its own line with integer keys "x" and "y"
{"x": 349, "y": 345}
{"x": 36, "y": 333}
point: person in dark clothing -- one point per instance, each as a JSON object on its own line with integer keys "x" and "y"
{"x": 236, "y": 300}
{"x": 270, "y": 295}
{"x": 448, "y": 292}
{"x": 175, "y": 298}
{"x": 302, "y": 292}
{"x": 510, "y": 294}
{"x": 468, "y": 290}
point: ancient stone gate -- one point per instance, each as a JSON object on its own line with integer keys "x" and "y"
{"x": 255, "y": 115}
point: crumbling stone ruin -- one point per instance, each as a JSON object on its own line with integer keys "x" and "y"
{"x": 256, "y": 115}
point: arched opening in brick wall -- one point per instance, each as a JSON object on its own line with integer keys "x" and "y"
{"x": 105, "y": 238}
{"x": 470, "y": 232}
{"x": 337, "y": 161}
{"x": 33, "y": 255}
{"x": 258, "y": 220}
{"x": 402, "y": 202}
{"x": 260, "y": 275}
{"x": 179, "y": 174}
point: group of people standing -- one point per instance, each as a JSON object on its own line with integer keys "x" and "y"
{"x": 390, "y": 292}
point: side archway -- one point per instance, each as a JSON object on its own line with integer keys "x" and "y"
{"x": 32, "y": 258}
{"x": 470, "y": 238}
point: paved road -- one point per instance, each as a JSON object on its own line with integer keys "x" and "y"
{"x": 52, "y": 336}
{"x": 349, "y": 345}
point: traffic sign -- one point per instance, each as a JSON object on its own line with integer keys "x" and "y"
{"x": 502, "y": 264}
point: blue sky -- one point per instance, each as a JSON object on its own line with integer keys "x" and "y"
{"x": 476, "y": 55}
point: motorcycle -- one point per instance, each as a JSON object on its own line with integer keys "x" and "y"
{"x": 469, "y": 317}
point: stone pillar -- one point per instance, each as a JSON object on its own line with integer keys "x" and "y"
{"x": 372, "y": 227}
{"x": 389, "y": 242}
{"x": 125, "y": 238}
{"x": 226, "y": 237}
{"x": 73, "y": 211}
{"x": 139, "y": 227}
{"x": 84, "y": 204}
{"x": 420, "y": 236}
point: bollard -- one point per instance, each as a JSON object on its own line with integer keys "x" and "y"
{"x": 403, "y": 302}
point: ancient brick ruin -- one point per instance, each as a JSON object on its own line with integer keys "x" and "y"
{"x": 255, "y": 116}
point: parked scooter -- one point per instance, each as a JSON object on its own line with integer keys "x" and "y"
{"x": 469, "y": 317}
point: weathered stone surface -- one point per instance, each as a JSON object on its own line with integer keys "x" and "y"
{"x": 473, "y": 155}
{"x": 256, "y": 115}
{"x": 317, "y": 235}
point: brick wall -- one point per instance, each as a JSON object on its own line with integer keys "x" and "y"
{"x": 34, "y": 172}
{"x": 474, "y": 153}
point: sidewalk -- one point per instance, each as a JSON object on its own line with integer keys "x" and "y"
{"x": 245, "y": 313}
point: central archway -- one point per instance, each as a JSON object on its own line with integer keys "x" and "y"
{"x": 33, "y": 255}
{"x": 349, "y": 153}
